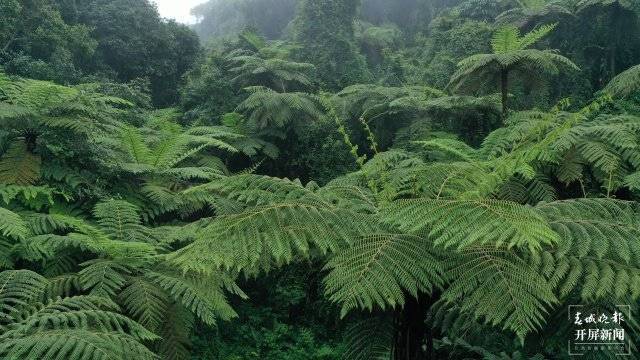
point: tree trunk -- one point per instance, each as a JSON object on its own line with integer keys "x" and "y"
{"x": 504, "y": 88}
{"x": 413, "y": 338}
{"x": 617, "y": 30}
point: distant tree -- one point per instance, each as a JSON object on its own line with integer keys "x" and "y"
{"x": 510, "y": 55}
{"x": 218, "y": 18}
{"x": 324, "y": 29}
{"x": 621, "y": 15}
{"x": 35, "y": 41}
{"x": 134, "y": 42}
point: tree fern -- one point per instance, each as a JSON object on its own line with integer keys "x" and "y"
{"x": 276, "y": 74}
{"x": 510, "y": 53}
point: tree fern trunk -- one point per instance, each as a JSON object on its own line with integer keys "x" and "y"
{"x": 413, "y": 338}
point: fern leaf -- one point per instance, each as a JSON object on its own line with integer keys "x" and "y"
{"x": 18, "y": 289}
{"x": 146, "y": 302}
{"x": 598, "y": 253}
{"x": 18, "y": 166}
{"x": 103, "y": 277}
{"x": 203, "y": 298}
{"x": 74, "y": 344}
{"x": 269, "y": 235}
{"x": 369, "y": 339}
{"x": 463, "y": 223}
{"x": 377, "y": 270}
{"x": 12, "y": 225}
{"x": 499, "y": 287}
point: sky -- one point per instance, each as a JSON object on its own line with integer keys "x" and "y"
{"x": 178, "y": 9}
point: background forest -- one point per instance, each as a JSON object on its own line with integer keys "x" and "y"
{"x": 316, "y": 179}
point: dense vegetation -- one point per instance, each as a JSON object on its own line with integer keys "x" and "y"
{"x": 320, "y": 179}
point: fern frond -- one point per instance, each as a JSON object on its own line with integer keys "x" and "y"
{"x": 120, "y": 220}
{"x": 30, "y": 196}
{"x": 6, "y": 254}
{"x": 103, "y": 277}
{"x": 18, "y": 166}
{"x": 377, "y": 270}
{"x": 464, "y": 223}
{"x": 262, "y": 236}
{"x": 12, "y": 225}
{"x": 506, "y": 39}
{"x": 265, "y": 108}
{"x": 369, "y": 339}
{"x": 498, "y": 286}
{"x": 134, "y": 142}
{"x": 535, "y": 35}
{"x": 625, "y": 83}
{"x": 18, "y": 290}
{"x": 598, "y": 254}
{"x": 72, "y": 344}
{"x": 203, "y": 297}
{"x": 176, "y": 332}
{"x": 147, "y": 302}
{"x": 457, "y": 149}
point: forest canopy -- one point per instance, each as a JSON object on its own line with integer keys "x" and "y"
{"x": 317, "y": 179}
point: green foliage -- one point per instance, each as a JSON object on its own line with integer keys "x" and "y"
{"x": 324, "y": 29}
{"x": 530, "y": 12}
{"x": 276, "y": 74}
{"x": 82, "y": 327}
{"x": 265, "y": 108}
{"x": 625, "y": 84}
{"x": 481, "y": 223}
{"x": 597, "y": 256}
{"x": 315, "y": 195}
{"x": 510, "y": 54}
{"x": 376, "y": 269}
